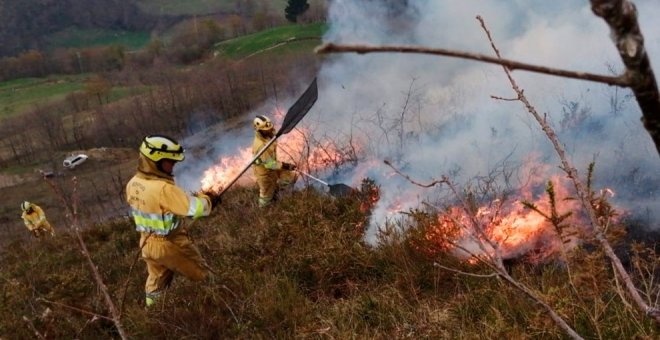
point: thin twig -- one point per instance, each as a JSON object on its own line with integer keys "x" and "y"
{"x": 230, "y": 311}
{"x": 34, "y": 329}
{"x": 75, "y": 308}
{"x": 435, "y": 182}
{"x": 128, "y": 277}
{"x": 505, "y": 99}
{"x": 75, "y": 227}
{"x": 621, "y": 81}
{"x": 94, "y": 318}
{"x": 464, "y": 273}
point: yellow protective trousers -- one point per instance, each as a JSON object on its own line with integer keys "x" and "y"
{"x": 270, "y": 182}
{"x": 43, "y": 228}
{"x": 166, "y": 255}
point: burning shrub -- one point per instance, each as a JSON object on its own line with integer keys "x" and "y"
{"x": 368, "y": 195}
{"x": 433, "y": 234}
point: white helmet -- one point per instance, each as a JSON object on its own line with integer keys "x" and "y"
{"x": 262, "y": 123}
{"x": 157, "y": 147}
{"x": 25, "y": 205}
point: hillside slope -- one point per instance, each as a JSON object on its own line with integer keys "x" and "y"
{"x": 300, "y": 269}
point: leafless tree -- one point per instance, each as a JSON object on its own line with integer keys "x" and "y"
{"x": 71, "y": 207}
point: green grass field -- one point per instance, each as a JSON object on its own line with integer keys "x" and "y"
{"x": 21, "y": 95}
{"x": 78, "y": 38}
{"x": 250, "y": 44}
{"x": 197, "y": 7}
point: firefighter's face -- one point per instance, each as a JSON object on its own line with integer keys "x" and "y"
{"x": 268, "y": 133}
{"x": 167, "y": 166}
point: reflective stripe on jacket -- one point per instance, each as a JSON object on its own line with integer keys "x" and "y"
{"x": 268, "y": 159}
{"x": 157, "y": 205}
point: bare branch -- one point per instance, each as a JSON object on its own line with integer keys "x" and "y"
{"x": 621, "y": 81}
{"x": 443, "y": 180}
{"x": 436, "y": 264}
{"x": 494, "y": 260}
{"x": 595, "y": 226}
{"x": 621, "y": 16}
{"x": 505, "y": 99}
{"x": 34, "y": 329}
{"x": 75, "y": 226}
{"x": 75, "y": 308}
{"x": 128, "y": 277}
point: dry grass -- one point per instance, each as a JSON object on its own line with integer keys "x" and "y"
{"x": 301, "y": 270}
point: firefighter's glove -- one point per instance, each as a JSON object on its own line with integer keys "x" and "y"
{"x": 288, "y": 166}
{"x": 214, "y": 197}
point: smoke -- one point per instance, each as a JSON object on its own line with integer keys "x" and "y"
{"x": 203, "y": 150}
{"x": 433, "y": 116}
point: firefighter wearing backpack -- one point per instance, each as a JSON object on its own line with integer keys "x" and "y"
{"x": 269, "y": 172}
{"x": 158, "y": 207}
{"x": 35, "y": 220}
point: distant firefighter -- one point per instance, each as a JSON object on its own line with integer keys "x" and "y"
{"x": 35, "y": 220}
{"x": 271, "y": 174}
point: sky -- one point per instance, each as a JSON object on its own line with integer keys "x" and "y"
{"x": 452, "y": 127}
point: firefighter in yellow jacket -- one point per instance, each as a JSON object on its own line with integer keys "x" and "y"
{"x": 269, "y": 172}
{"x": 158, "y": 207}
{"x": 35, "y": 220}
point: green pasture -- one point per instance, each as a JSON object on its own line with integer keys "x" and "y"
{"x": 20, "y": 95}
{"x": 17, "y": 96}
{"x": 250, "y": 44}
{"x": 198, "y": 7}
{"x": 81, "y": 38}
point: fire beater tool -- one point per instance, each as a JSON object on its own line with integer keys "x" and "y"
{"x": 337, "y": 190}
{"x": 295, "y": 113}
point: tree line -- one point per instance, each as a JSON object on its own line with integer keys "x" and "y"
{"x": 26, "y": 24}
{"x": 191, "y": 41}
{"x": 165, "y": 100}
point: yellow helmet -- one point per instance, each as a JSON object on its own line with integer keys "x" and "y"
{"x": 157, "y": 147}
{"x": 25, "y": 205}
{"x": 262, "y": 123}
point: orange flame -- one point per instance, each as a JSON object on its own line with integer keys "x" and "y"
{"x": 513, "y": 228}
{"x": 218, "y": 176}
{"x": 370, "y": 199}
{"x": 293, "y": 147}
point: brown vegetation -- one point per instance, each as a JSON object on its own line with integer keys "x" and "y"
{"x": 171, "y": 101}
{"x": 301, "y": 269}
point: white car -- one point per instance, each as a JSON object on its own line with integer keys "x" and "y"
{"x": 75, "y": 160}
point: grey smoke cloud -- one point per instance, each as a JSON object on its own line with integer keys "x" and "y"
{"x": 452, "y": 126}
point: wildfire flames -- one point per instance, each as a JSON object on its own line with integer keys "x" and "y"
{"x": 218, "y": 176}
{"x": 513, "y": 228}
{"x": 294, "y": 147}
{"x": 508, "y": 228}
